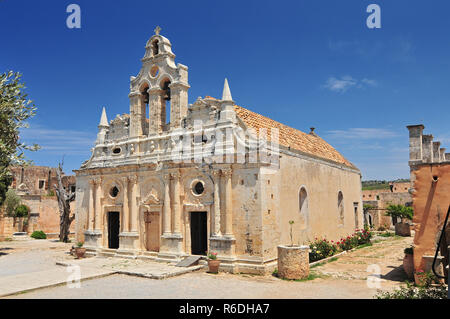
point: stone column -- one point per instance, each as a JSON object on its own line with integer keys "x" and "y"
{"x": 126, "y": 207}
{"x": 137, "y": 114}
{"x": 98, "y": 205}
{"x": 91, "y": 211}
{"x": 178, "y": 103}
{"x": 176, "y": 203}
{"x": 228, "y": 203}
{"x": 216, "y": 175}
{"x": 157, "y": 118}
{"x": 167, "y": 220}
{"x": 134, "y": 204}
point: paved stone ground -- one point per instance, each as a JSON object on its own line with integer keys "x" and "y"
{"x": 31, "y": 264}
{"x": 343, "y": 278}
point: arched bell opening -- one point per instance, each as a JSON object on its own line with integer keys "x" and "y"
{"x": 165, "y": 86}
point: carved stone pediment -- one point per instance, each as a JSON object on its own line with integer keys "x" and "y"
{"x": 151, "y": 198}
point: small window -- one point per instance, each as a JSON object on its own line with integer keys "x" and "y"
{"x": 155, "y": 47}
{"x": 303, "y": 208}
{"x": 41, "y": 184}
{"x": 341, "y": 207}
{"x": 154, "y": 71}
{"x": 73, "y": 188}
{"x": 114, "y": 192}
{"x": 199, "y": 188}
{"x": 116, "y": 150}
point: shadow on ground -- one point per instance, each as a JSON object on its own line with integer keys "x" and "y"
{"x": 2, "y": 253}
{"x": 396, "y": 274}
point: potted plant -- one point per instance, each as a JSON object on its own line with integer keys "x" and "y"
{"x": 213, "y": 263}
{"x": 80, "y": 250}
{"x": 408, "y": 262}
{"x": 404, "y": 213}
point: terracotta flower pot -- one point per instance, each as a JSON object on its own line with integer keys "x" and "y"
{"x": 408, "y": 265}
{"x": 213, "y": 265}
{"x": 80, "y": 251}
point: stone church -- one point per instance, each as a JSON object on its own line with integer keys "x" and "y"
{"x": 172, "y": 179}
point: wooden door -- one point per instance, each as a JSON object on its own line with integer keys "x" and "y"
{"x": 152, "y": 230}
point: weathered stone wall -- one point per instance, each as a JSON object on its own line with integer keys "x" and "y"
{"x": 247, "y": 223}
{"x": 45, "y": 212}
{"x": 322, "y": 182}
{"x": 431, "y": 202}
{"x": 37, "y": 180}
{"x": 10, "y": 225}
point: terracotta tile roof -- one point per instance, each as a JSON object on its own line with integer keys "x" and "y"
{"x": 290, "y": 137}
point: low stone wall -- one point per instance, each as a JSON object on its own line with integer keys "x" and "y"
{"x": 11, "y": 225}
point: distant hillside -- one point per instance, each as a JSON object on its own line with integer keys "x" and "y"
{"x": 375, "y": 184}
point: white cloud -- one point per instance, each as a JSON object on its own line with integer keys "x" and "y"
{"x": 346, "y": 82}
{"x": 55, "y": 141}
{"x": 362, "y": 133}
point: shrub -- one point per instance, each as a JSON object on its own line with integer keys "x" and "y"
{"x": 399, "y": 211}
{"x": 22, "y": 211}
{"x": 39, "y": 234}
{"x": 321, "y": 248}
{"x": 408, "y": 251}
{"x": 428, "y": 290}
{"x": 79, "y": 244}
{"x": 12, "y": 200}
{"x": 212, "y": 255}
{"x": 363, "y": 236}
{"x": 387, "y": 234}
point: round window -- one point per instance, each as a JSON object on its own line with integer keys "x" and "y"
{"x": 117, "y": 150}
{"x": 199, "y": 188}
{"x": 114, "y": 191}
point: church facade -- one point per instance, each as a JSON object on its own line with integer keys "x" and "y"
{"x": 172, "y": 179}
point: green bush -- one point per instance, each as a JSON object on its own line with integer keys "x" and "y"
{"x": 12, "y": 200}
{"x": 22, "y": 211}
{"x": 430, "y": 289}
{"x": 363, "y": 236}
{"x": 387, "y": 234}
{"x": 39, "y": 234}
{"x": 399, "y": 211}
{"x": 321, "y": 248}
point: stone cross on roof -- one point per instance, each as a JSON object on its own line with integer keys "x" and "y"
{"x": 157, "y": 30}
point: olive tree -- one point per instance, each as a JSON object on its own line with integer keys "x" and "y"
{"x": 15, "y": 109}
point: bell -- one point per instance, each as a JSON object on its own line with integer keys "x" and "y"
{"x": 146, "y": 98}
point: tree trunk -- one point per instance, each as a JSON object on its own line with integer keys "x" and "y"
{"x": 64, "y": 200}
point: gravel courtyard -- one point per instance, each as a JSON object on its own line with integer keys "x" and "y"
{"x": 345, "y": 277}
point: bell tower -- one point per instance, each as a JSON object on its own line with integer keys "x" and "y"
{"x": 161, "y": 87}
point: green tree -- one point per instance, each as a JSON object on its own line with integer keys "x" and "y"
{"x": 15, "y": 109}
{"x": 400, "y": 211}
{"x": 12, "y": 201}
{"x": 22, "y": 211}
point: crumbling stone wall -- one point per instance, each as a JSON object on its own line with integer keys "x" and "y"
{"x": 430, "y": 174}
{"x": 38, "y": 180}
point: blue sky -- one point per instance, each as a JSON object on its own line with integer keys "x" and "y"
{"x": 303, "y": 63}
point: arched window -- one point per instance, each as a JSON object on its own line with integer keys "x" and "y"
{"x": 155, "y": 47}
{"x": 303, "y": 208}
{"x": 165, "y": 86}
{"x": 341, "y": 207}
{"x": 145, "y": 95}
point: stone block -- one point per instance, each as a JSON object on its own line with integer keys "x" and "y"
{"x": 293, "y": 262}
